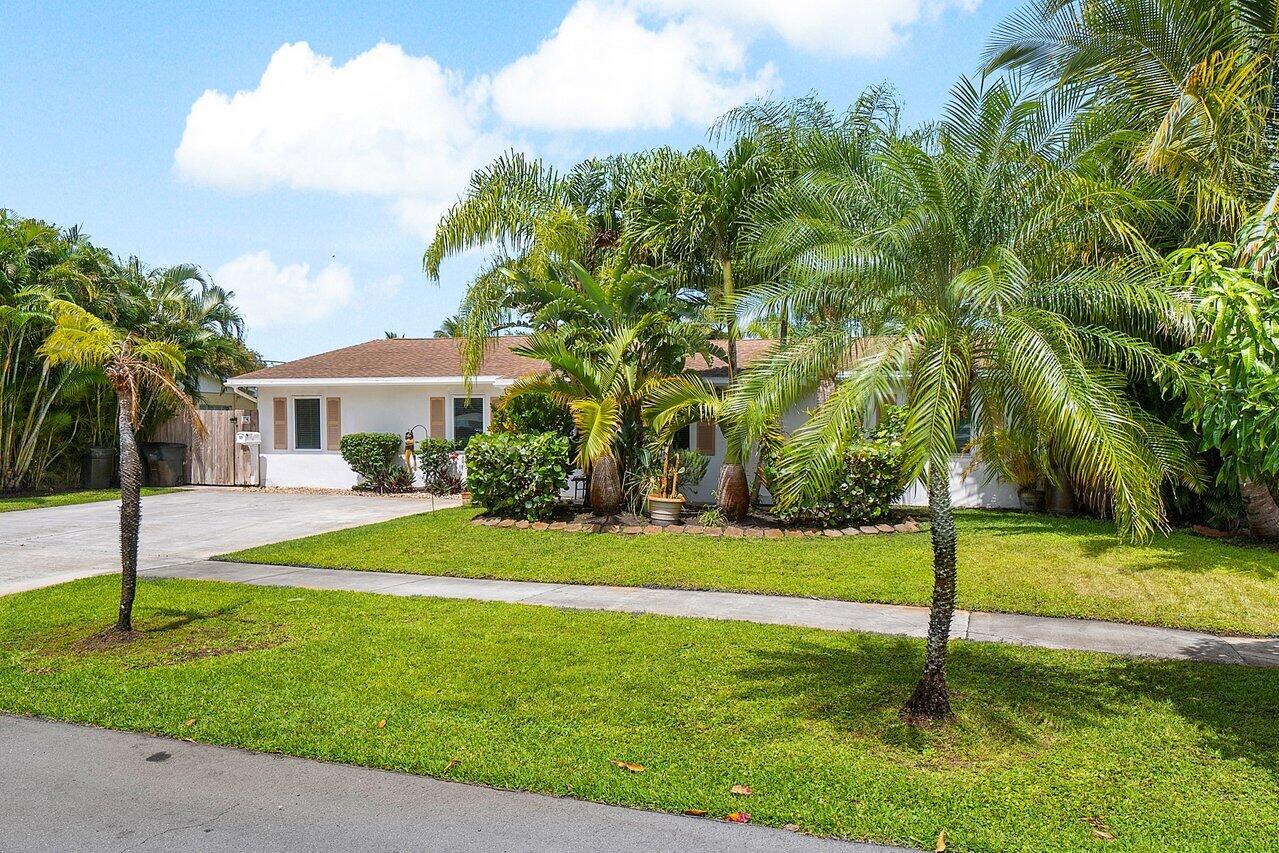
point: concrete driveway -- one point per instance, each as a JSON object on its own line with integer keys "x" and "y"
{"x": 41, "y": 547}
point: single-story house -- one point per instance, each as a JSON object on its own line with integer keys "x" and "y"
{"x": 401, "y": 384}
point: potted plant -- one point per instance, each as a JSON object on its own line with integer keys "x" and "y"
{"x": 679, "y": 471}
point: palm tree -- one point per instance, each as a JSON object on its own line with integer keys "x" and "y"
{"x": 599, "y": 387}
{"x": 132, "y": 365}
{"x": 953, "y": 259}
{"x": 1195, "y": 82}
{"x": 536, "y": 217}
{"x": 691, "y": 210}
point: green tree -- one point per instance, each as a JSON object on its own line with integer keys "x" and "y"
{"x": 132, "y": 365}
{"x": 953, "y": 259}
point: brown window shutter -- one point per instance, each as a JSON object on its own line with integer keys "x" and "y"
{"x": 332, "y": 422}
{"x": 280, "y": 411}
{"x": 706, "y": 437}
{"x": 437, "y": 417}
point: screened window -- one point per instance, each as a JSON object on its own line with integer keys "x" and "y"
{"x": 306, "y": 423}
{"x": 468, "y": 418}
{"x": 963, "y": 434}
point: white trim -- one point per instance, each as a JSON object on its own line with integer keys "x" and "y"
{"x": 293, "y": 428}
{"x": 364, "y": 380}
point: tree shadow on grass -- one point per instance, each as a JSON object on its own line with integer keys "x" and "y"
{"x": 1005, "y": 695}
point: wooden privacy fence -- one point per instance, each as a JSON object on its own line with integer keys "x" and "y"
{"x": 215, "y": 459}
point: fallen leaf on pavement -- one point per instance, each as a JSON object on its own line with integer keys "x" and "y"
{"x": 791, "y": 827}
{"x": 628, "y": 766}
{"x": 741, "y": 790}
{"x": 695, "y": 812}
{"x": 739, "y": 817}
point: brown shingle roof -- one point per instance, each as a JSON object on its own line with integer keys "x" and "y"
{"x": 393, "y": 358}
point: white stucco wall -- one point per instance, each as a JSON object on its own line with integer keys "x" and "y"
{"x": 365, "y": 408}
{"x": 398, "y": 408}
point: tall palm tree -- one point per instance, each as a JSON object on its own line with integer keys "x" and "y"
{"x": 536, "y": 217}
{"x": 1195, "y": 83}
{"x": 132, "y": 365}
{"x": 959, "y": 251}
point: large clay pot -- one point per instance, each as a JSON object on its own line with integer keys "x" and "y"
{"x": 664, "y": 511}
{"x": 1060, "y": 500}
{"x": 1032, "y": 498}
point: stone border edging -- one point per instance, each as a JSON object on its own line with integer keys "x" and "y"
{"x": 731, "y": 531}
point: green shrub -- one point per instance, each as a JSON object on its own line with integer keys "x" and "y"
{"x": 437, "y": 458}
{"x": 518, "y": 476}
{"x": 375, "y": 456}
{"x": 871, "y": 481}
{"x": 531, "y": 413}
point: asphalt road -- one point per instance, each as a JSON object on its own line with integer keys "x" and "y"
{"x": 71, "y": 788}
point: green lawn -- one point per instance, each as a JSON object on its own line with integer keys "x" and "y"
{"x": 1166, "y": 756}
{"x": 12, "y": 503}
{"x": 1008, "y": 562}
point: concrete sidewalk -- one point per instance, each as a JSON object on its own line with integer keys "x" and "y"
{"x": 1046, "y": 632}
{"x": 70, "y": 787}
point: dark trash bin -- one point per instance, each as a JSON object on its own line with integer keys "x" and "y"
{"x": 97, "y": 469}
{"x": 162, "y": 463}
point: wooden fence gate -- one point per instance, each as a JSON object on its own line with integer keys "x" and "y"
{"x": 215, "y": 459}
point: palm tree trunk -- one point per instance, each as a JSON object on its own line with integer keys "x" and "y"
{"x": 727, "y": 267}
{"x": 605, "y": 486}
{"x": 733, "y": 494}
{"x": 130, "y": 511}
{"x": 1261, "y": 509}
{"x": 931, "y": 700}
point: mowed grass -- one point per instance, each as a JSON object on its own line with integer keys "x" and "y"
{"x": 1049, "y": 746}
{"x": 12, "y": 503}
{"x": 1008, "y": 562}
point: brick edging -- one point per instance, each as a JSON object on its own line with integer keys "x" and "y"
{"x": 731, "y": 531}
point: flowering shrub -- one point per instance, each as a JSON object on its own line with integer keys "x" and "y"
{"x": 518, "y": 476}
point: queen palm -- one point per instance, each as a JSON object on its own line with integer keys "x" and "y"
{"x": 952, "y": 261}
{"x": 132, "y": 365}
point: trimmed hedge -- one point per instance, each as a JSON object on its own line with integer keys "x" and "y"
{"x": 517, "y": 476}
{"x": 375, "y": 456}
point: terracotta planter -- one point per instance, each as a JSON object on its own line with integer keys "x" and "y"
{"x": 664, "y": 511}
{"x": 1032, "y": 499}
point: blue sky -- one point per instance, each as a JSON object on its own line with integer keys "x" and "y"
{"x": 312, "y": 192}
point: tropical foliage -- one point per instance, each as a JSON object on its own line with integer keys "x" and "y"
{"x": 518, "y": 476}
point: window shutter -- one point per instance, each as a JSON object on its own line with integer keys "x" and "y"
{"x": 706, "y": 437}
{"x": 437, "y": 417}
{"x": 280, "y": 423}
{"x": 332, "y": 423}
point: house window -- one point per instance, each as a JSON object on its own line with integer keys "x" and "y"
{"x": 306, "y": 423}
{"x": 682, "y": 439}
{"x": 468, "y": 418}
{"x": 963, "y": 434}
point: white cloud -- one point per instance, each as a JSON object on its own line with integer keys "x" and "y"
{"x": 861, "y": 28}
{"x": 604, "y": 70}
{"x": 270, "y": 295}
{"x": 383, "y": 123}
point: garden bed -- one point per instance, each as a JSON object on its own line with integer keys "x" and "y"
{"x": 752, "y": 527}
